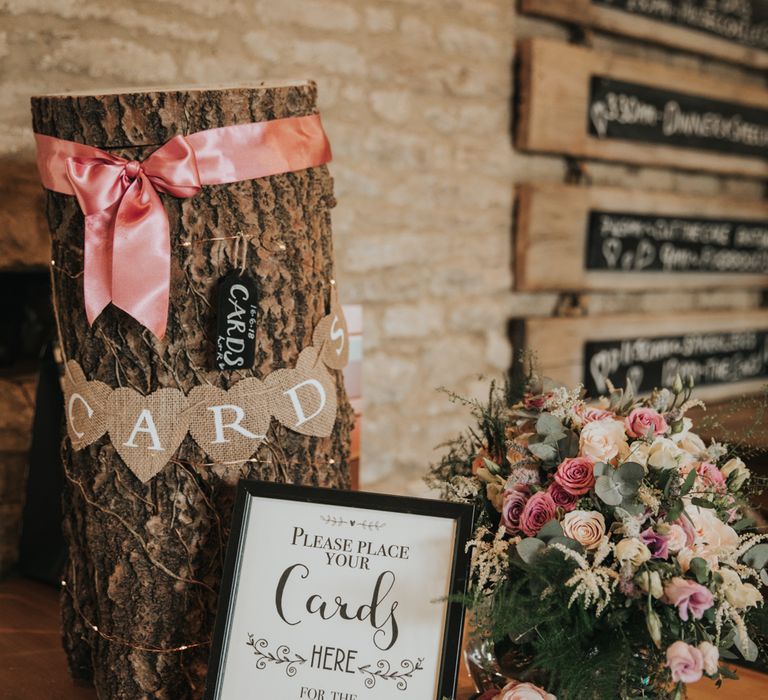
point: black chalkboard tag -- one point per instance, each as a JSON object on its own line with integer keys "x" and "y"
{"x": 236, "y": 322}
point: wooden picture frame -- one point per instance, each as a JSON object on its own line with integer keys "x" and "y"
{"x": 263, "y": 640}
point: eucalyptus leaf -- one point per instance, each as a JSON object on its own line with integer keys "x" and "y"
{"x": 548, "y": 425}
{"x": 688, "y": 483}
{"x": 743, "y": 524}
{"x": 549, "y": 530}
{"x": 702, "y": 503}
{"x": 601, "y": 469}
{"x": 631, "y": 471}
{"x": 633, "y": 507}
{"x": 750, "y": 651}
{"x": 567, "y": 542}
{"x": 675, "y": 511}
{"x": 757, "y": 556}
{"x": 543, "y": 451}
{"x": 608, "y": 492}
{"x": 727, "y": 654}
{"x": 569, "y": 445}
{"x": 529, "y": 548}
{"x": 764, "y": 576}
{"x": 700, "y": 569}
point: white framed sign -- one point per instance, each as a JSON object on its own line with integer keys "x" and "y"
{"x": 339, "y": 595}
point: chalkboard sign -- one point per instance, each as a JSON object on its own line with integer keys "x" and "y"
{"x": 634, "y": 112}
{"x": 633, "y": 242}
{"x": 710, "y": 358}
{"x": 733, "y": 30}
{"x": 593, "y": 104}
{"x": 742, "y": 21}
{"x": 236, "y": 322}
{"x": 725, "y": 351}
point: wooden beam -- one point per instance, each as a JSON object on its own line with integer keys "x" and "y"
{"x": 561, "y": 346}
{"x": 644, "y": 26}
{"x": 561, "y": 106}
{"x": 552, "y": 240}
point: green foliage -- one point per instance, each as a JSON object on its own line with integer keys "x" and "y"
{"x": 583, "y": 657}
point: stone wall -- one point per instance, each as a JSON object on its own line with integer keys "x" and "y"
{"x": 417, "y": 98}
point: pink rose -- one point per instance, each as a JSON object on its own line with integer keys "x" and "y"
{"x": 515, "y": 499}
{"x": 539, "y": 510}
{"x": 588, "y": 414}
{"x": 562, "y": 498}
{"x": 576, "y": 475}
{"x": 645, "y": 422}
{"x": 688, "y": 597}
{"x": 711, "y": 475}
{"x": 523, "y": 691}
{"x": 535, "y": 402}
{"x": 685, "y": 662}
{"x": 489, "y": 695}
{"x": 656, "y": 543}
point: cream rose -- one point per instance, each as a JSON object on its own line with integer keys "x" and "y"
{"x": 735, "y": 470}
{"x": 690, "y": 442}
{"x": 711, "y": 656}
{"x": 665, "y": 454}
{"x": 603, "y": 440}
{"x": 632, "y": 550}
{"x": 650, "y": 582}
{"x": 738, "y": 593}
{"x": 639, "y": 451}
{"x": 587, "y": 527}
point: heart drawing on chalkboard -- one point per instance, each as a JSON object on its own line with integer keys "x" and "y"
{"x": 635, "y": 375}
{"x": 612, "y": 251}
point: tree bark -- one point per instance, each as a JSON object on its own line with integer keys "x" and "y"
{"x": 145, "y": 559}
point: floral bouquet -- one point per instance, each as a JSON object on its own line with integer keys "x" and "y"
{"x": 614, "y": 549}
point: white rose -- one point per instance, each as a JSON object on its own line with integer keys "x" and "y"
{"x": 587, "y": 527}
{"x": 713, "y": 536}
{"x": 690, "y": 442}
{"x": 665, "y": 454}
{"x": 633, "y": 551}
{"x": 603, "y": 440}
{"x": 711, "y": 656}
{"x": 639, "y": 451}
{"x": 737, "y": 471}
{"x": 738, "y": 593}
{"x": 650, "y": 582}
{"x": 677, "y": 538}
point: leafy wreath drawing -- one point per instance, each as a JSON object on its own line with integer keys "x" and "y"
{"x": 279, "y": 657}
{"x": 336, "y": 521}
{"x": 385, "y": 672}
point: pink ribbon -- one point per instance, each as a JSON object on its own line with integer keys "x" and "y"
{"x": 127, "y": 244}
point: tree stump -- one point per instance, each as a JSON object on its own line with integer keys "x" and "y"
{"x": 145, "y": 559}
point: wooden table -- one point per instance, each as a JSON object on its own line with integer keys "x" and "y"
{"x": 32, "y": 665}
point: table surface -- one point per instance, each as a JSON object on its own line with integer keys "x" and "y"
{"x": 32, "y": 664}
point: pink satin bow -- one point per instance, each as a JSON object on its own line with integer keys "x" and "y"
{"x": 126, "y": 242}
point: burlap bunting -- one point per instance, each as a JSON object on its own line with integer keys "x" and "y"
{"x": 227, "y": 425}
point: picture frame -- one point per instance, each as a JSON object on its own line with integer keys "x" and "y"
{"x": 326, "y": 595}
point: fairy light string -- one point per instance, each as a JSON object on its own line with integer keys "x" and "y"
{"x": 276, "y": 459}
